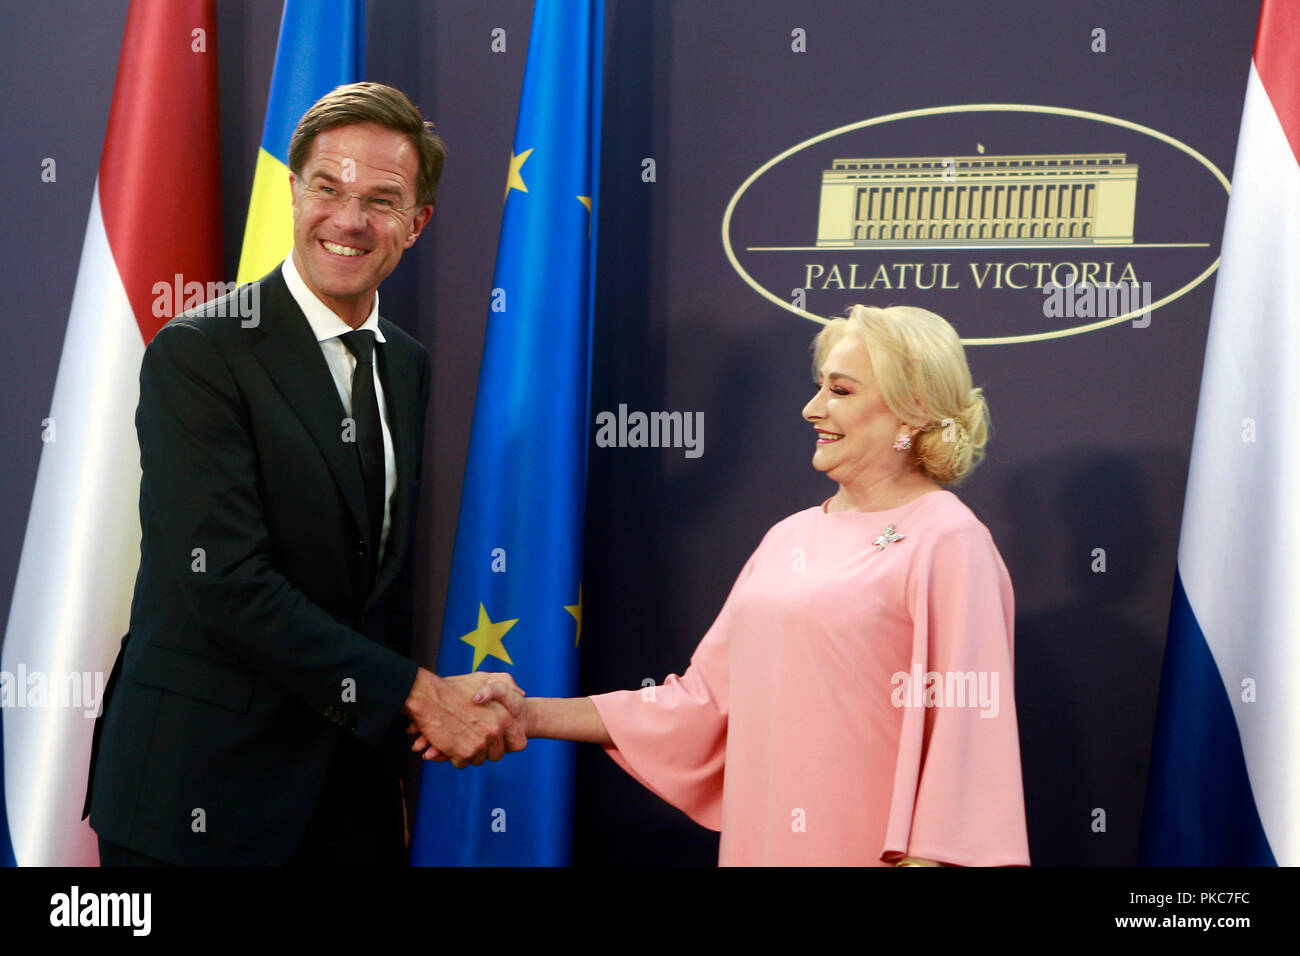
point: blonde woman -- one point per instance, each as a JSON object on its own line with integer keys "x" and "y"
{"x": 853, "y": 703}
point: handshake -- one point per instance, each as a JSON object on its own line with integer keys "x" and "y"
{"x": 466, "y": 719}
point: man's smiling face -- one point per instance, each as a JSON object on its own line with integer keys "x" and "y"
{"x": 344, "y": 251}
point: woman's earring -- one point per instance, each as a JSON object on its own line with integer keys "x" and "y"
{"x": 903, "y": 442}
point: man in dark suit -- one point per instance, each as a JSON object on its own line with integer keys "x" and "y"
{"x": 257, "y": 710}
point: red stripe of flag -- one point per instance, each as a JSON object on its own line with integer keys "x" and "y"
{"x": 160, "y": 173}
{"x": 1277, "y": 60}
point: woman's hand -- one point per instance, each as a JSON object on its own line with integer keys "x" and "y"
{"x": 484, "y": 688}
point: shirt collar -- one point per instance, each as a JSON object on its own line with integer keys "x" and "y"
{"x": 323, "y": 320}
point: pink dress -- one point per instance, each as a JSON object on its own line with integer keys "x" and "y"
{"x": 850, "y": 705}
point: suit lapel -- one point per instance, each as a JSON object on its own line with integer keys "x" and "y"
{"x": 292, "y": 358}
{"x": 395, "y": 372}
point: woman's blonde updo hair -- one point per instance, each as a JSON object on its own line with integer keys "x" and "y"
{"x": 921, "y": 369}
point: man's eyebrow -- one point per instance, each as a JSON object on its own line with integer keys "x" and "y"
{"x": 387, "y": 189}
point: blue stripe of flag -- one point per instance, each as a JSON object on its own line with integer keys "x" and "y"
{"x": 321, "y": 46}
{"x": 1199, "y": 810}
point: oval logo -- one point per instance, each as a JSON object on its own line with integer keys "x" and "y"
{"x": 1017, "y": 223}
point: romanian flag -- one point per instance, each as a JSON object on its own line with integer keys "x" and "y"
{"x": 152, "y": 246}
{"x": 322, "y": 45}
{"x": 1224, "y": 786}
{"x": 515, "y": 597}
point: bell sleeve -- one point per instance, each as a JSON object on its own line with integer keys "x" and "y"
{"x": 672, "y": 738}
{"x": 958, "y": 795}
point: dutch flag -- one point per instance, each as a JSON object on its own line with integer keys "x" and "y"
{"x": 1224, "y": 787}
{"x": 155, "y": 214}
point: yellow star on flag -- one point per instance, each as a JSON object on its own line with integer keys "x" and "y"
{"x": 486, "y": 638}
{"x": 576, "y": 611}
{"x": 586, "y": 201}
{"x": 513, "y": 178}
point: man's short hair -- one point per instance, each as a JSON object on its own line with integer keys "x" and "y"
{"x": 373, "y": 103}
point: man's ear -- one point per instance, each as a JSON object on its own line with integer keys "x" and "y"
{"x": 418, "y": 222}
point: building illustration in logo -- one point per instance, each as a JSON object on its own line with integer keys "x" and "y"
{"x": 1060, "y": 199}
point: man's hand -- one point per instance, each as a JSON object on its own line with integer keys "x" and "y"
{"x": 443, "y": 713}
{"x": 487, "y": 690}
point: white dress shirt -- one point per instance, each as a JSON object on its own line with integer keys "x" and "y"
{"x": 328, "y": 327}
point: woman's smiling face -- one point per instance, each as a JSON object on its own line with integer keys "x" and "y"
{"x": 855, "y": 428}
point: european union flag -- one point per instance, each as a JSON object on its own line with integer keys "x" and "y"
{"x": 515, "y": 597}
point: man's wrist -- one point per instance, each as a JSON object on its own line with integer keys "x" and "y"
{"x": 425, "y": 680}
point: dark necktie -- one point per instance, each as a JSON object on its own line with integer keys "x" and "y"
{"x": 369, "y": 435}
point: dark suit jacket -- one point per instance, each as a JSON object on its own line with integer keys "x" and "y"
{"x": 254, "y": 642}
